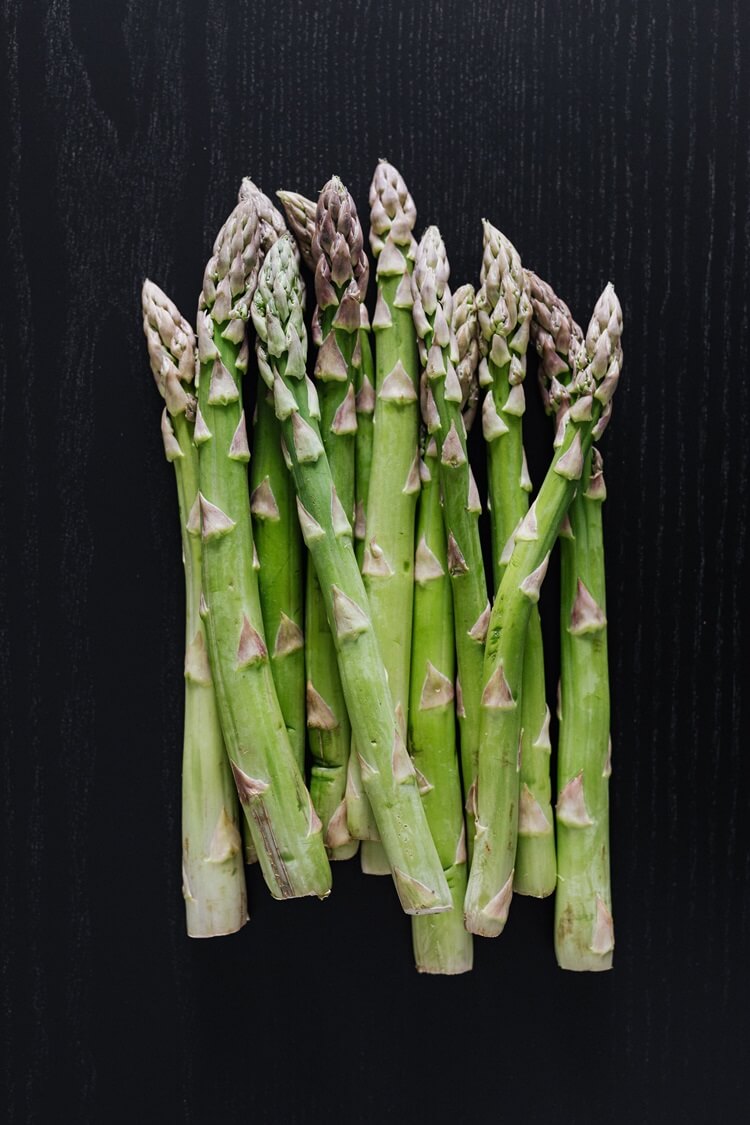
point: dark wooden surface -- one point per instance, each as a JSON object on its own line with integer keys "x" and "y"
{"x": 608, "y": 139}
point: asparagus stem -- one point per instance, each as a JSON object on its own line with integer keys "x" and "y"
{"x": 365, "y": 402}
{"x": 505, "y": 312}
{"x": 282, "y": 820}
{"x": 441, "y": 943}
{"x": 490, "y": 885}
{"x": 213, "y": 881}
{"x": 340, "y": 267}
{"x": 276, "y": 533}
{"x": 584, "y": 932}
{"x": 280, "y": 554}
{"x": 387, "y": 771}
{"x": 442, "y": 400}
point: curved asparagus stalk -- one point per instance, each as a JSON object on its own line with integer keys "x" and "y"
{"x": 282, "y": 820}
{"x": 584, "y": 932}
{"x": 387, "y": 771}
{"x": 341, "y": 268}
{"x": 442, "y": 412}
{"x": 505, "y": 312}
{"x": 276, "y": 534}
{"x": 490, "y": 886}
{"x": 213, "y": 880}
{"x": 441, "y": 943}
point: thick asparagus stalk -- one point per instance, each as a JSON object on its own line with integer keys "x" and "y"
{"x": 341, "y": 268}
{"x": 505, "y": 311}
{"x": 442, "y": 410}
{"x": 584, "y": 933}
{"x": 387, "y": 771}
{"x": 284, "y": 826}
{"x": 490, "y": 886}
{"x": 213, "y": 880}
{"x": 388, "y": 557}
{"x": 276, "y": 533}
{"x": 441, "y": 943}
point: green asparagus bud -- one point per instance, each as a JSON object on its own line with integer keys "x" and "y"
{"x": 490, "y": 886}
{"x": 387, "y": 771}
{"x": 283, "y": 823}
{"x": 504, "y": 316}
{"x": 213, "y": 880}
{"x": 465, "y": 328}
{"x": 442, "y": 400}
{"x": 300, "y": 215}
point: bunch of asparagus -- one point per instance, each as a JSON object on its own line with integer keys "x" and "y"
{"x": 353, "y": 680}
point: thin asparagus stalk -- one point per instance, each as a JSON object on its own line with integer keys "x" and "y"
{"x": 442, "y": 410}
{"x": 213, "y": 881}
{"x": 300, "y": 215}
{"x": 285, "y": 829}
{"x": 490, "y": 887}
{"x": 276, "y": 534}
{"x": 441, "y": 943}
{"x": 505, "y": 312}
{"x": 388, "y": 557}
{"x": 387, "y": 771}
{"x": 341, "y": 267}
{"x": 365, "y": 402}
{"x": 584, "y": 932}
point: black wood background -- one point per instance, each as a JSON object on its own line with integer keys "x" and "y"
{"x": 608, "y": 139}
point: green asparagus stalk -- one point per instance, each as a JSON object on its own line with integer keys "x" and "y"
{"x": 442, "y": 404}
{"x": 490, "y": 887}
{"x": 341, "y": 268}
{"x": 283, "y": 823}
{"x": 441, "y": 943}
{"x": 388, "y": 556}
{"x": 387, "y": 771}
{"x": 213, "y": 881}
{"x": 276, "y": 533}
{"x": 300, "y": 213}
{"x": 505, "y": 312}
{"x": 584, "y": 932}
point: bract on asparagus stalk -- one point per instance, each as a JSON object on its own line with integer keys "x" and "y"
{"x": 442, "y": 410}
{"x": 504, "y": 314}
{"x": 213, "y": 879}
{"x": 387, "y": 771}
{"x": 283, "y": 823}
{"x": 584, "y": 932}
{"x": 490, "y": 885}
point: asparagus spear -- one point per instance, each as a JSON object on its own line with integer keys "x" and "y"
{"x": 387, "y": 770}
{"x": 584, "y": 933}
{"x": 213, "y": 881}
{"x": 341, "y": 268}
{"x": 276, "y": 533}
{"x": 388, "y": 556}
{"x": 490, "y": 886}
{"x": 505, "y": 311}
{"x": 441, "y": 943}
{"x": 283, "y": 823}
{"x": 442, "y": 411}
{"x": 301, "y": 214}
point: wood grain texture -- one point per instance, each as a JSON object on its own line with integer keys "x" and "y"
{"x": 609, "y": 139}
